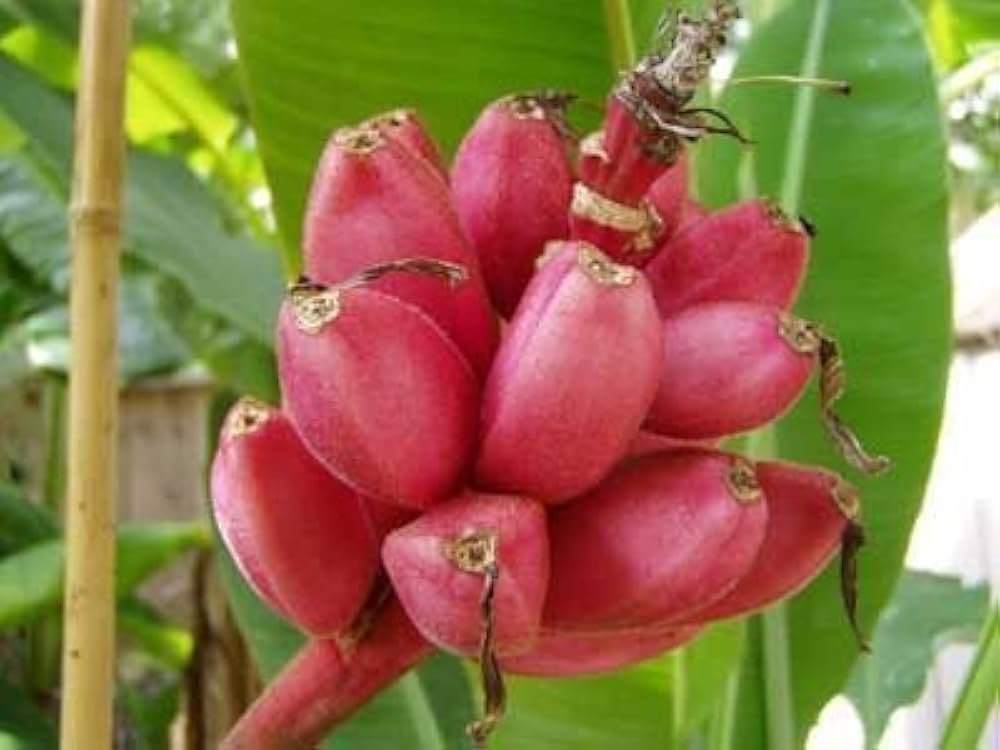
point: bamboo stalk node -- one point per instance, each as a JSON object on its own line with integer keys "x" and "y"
{"x": 105, "y": 218}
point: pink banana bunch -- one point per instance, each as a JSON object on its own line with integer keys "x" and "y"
{"x": 503, "y": 392}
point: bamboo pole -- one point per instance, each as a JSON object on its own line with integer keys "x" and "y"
{"x": 95, "y": 217}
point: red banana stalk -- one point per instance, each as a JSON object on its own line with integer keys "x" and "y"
{"x": 658, "y": 541}
{"x": 379, "y": 393}
{"x": 326, "y": 682}
{"x": 572, "y": 380}
{"x": 297, "y": 522}
{"x": 647, "y": 123}
{"x": 511, "y": 183}
{"x": 750, "y": 252}
{"x": 609, "y": 208}
{"x": 373, "y": 201}
{"x": 625, "y": 159}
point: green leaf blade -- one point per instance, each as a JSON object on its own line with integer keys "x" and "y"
{"x": 312, "y": 67}
{"x": 878, "y": 280}
{"x": 980, "y": 693}
{"x": 22, "y": 522}
{"x": 626, "y": 710}
{"x": 23, "y": 725}
{"x": 31, "y": 580}
{"x": 926, "y": 612}
{"x": 171, "y": 221}
{"x": 708, "y": 664}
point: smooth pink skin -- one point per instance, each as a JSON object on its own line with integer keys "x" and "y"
{"x": 571, "y": 382}
{"x": 656, "y": 542}
{"x": 726, "y": 369}
{"x": 691, "y": 212}
{"x": 668, "y": 196}
{"x": 382, "y": 397}
{"x": 388, "y": 204}
{"x": 326, "y": 682}
{"x": 804, "y": 527}
{"x": 238, "y": 538}
{"x": 443, "y": 601}
{"x": 511, "y": 184}
{"x": 299, "y": 520}
{"x": 743, "y": 253}
{"x": 406, "y": 127}
{"x": 569, "y": 654}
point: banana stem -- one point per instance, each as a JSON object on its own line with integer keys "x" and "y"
{"x": 326, "y": 682}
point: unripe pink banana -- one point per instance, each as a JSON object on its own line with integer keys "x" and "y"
{"x": 379, "y": 393}
{"x": 572, "y": 380}
{"x": 660, "y": 539}
{"x": 328, "y": 681}
{"x": 730, "y": 367}
{"x": 298, "y": 521}
{"x": 756, "y": 366}
{"x": 749, "y": 252}
{"x": 811, "y": 512}
{"x": 511, "y": 183}
{"x": 373, "y": 201}
{"x": 438, "y": 562}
